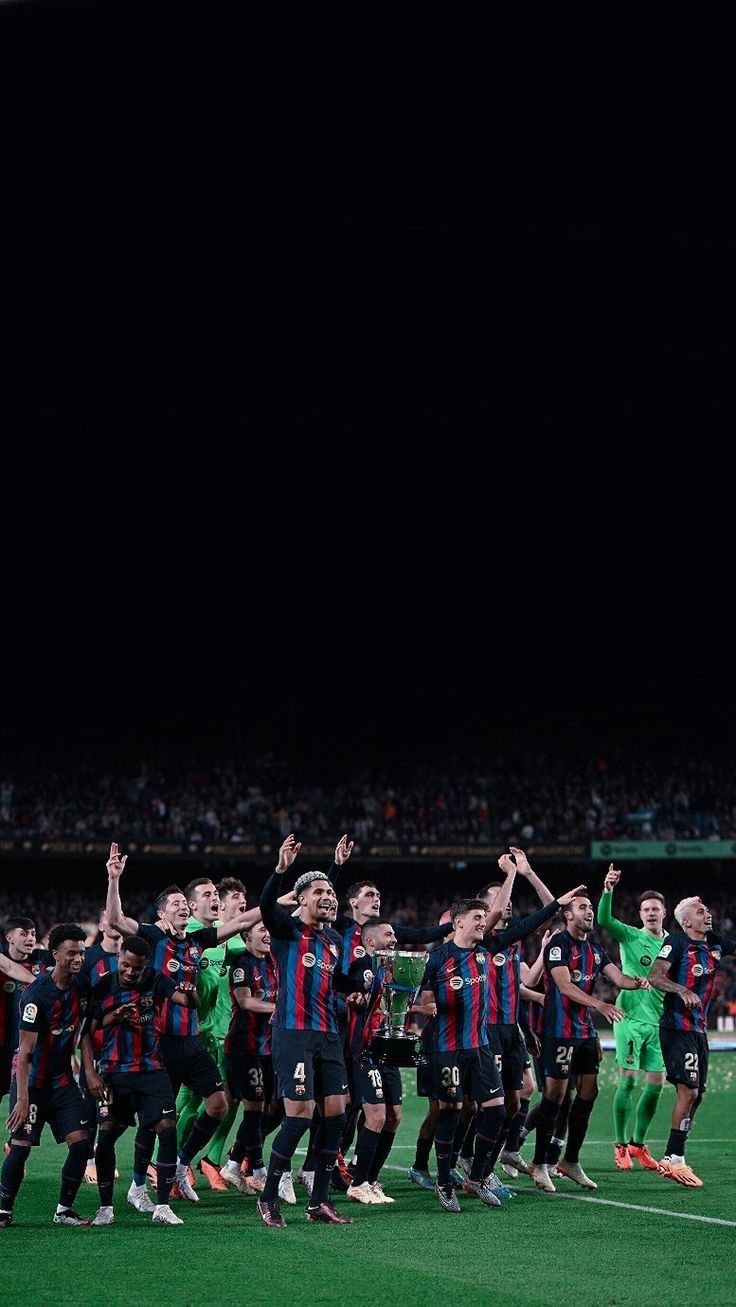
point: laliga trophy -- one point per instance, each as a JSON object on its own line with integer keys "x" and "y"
{"x": 394, "y": 1046}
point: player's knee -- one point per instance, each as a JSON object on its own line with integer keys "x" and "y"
{"x": 78, "y": 1139}
{"x": 216, "y": 1105}
{"x": 163, "y": 1125}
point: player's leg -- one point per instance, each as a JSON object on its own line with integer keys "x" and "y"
{"x": 375, "y": 1121}
{"x": 585, "y": 1063}
{"x": 22, "y": 1139}
{"x": 486, "y": 1086}
{"x": 333, "y": 1083}
{"x": 419, "y": 1170}
{"x": 556, "y": 1059}
{"x": 686, "y": 1061}
{"x": 652, "y": 1063}
{"x": 72, "y": 1175}
{"x": 511, "y": 1160}
{"x": 202, "y": 1076}
{"x": 294, "y": 1069}
{"x": 188, "y": 1107}
{"x": 210, "y": 1164}
{"x": 393, "y": 1094}
{"x": 628, "y": 1048}
{"x": 108, "y": 1133}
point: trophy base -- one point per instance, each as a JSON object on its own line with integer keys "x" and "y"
{"x": 396, "y": 1050}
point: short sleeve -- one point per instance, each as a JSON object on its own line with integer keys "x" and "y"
{"x": 557, "y": 953}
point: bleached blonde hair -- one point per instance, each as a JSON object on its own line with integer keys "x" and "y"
{"x": 684, "y": 906}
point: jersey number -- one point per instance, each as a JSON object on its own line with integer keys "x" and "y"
{"x": 450, "y": 1076}
{"x": 32, "y": 1112}
{"x": 255, "y": 1076}
{"x": 299, "y": 1072}
{"x": 691, "y": 1061}
{"x": 375, "y": 1078}
{"x": 564, "y": 1053}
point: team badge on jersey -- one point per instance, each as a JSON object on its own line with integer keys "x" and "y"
{"x": 597, "y": 957}
{"x": 368, "y": 977}
{"x": 194, "y": 952}
{"x": 334, "y": 950}
{"x": 308, "y": 960}
{"x": 480, "y": 959}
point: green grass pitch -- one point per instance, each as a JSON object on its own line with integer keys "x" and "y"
{"x": 634, "y": 1244}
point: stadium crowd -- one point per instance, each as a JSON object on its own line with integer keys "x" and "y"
{"x": 571, "y": 794}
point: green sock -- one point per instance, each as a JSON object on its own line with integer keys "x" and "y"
{"x": 645, "y": 1109}
{"x": 622, "y": 1108}
{"x": 219, "y": 1138}
{"x": 188, "y": 1106}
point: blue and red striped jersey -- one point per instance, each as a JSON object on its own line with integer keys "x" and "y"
{"x": 531, "y": 1016}
{"x": 250, "y": 1032}
{"x": 504, "y": 980}
{"x": 11, "y": 992}
{"x": 693, "y": 964}
{"x": 57, "y": 1017}
{"x": 563, "y": 1017}
{"x": 180, "y": 960}
{"x": 97, "y": 963}
{"x": 308, "y": 960}
{"x": 353, "y": 949}
{"x": 458, "y": 978}
{"x": 131, "y": 1045}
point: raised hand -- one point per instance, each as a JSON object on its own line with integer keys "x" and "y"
{"x": 522, "y": 863}
{"x": 613, "y": 876}
{"x": 287, "y": 852}
{"x": 343, "y": 850}
{"x": 564, "y": 899}
{"x": 507, "y": 864}
{"x": 287, "y": 900}
{"x": 116, "y": 864}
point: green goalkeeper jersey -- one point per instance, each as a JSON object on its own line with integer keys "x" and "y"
{"x": 213, "y": 988}
{"x": 639, "y": 951}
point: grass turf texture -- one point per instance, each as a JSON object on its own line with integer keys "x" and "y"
{"x": 535, "y": 1249}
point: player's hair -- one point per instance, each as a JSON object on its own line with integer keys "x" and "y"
{"x": 683, "y": 907}
{"x": 19, "y": 923}
{"x": 306, "y": 878}
{"x": 231, "y": 885}
{"x": 67, "y": 930}
{"x": 353, "y": 890}
{"x": 160, "y": 901}
{"x": 374, "y": 923}
{"x": 462, "y": 906}
{"x": 137, "y": 945}
{"x": 198, "y": 880}
{"x": 492, "y": 884}
{"x": 650, "y": 894}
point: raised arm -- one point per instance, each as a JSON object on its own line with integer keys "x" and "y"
{"x": 422, "y": 934}
{"x": 226, "y": 930}
{"x": 523, "y": 869}
{"x": 606, "y": 920}
{"x": 531, "y": 974}
{"x": 502, "y": 900}
{"x": 280, "y": 922}
{"x": 343, "y": 849}
{"x": 525, "y": 926}
{"x": 115, "y": 916}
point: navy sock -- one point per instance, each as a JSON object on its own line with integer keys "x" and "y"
{"x": 165, "y": 1165}
{"x": 282, "y": 1150}
{"x": 11, "y": 1177}
{"x": 73, "y": 1172}
{"x": 326, "y": 1158}
{"x": 199, "y": 1136}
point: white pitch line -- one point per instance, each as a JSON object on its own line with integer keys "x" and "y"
{"x": 631, "y": 1207}
{"x": 658, "y": 1211}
